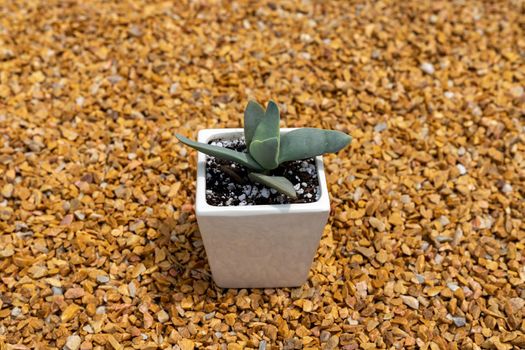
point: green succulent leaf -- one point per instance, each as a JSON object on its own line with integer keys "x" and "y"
{"x": 222, "y": 152}
{"x": 266, "y": 152}
{"x": 253, "y": 114}
{"x": 264, "y": 146}
{"x": 279, "y": 183}
{"x": 309, "y": 142}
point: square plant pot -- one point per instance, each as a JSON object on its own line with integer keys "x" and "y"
{"x": 259, "y": 246}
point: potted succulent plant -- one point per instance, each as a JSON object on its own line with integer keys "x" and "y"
{"x": 262, "y": 200}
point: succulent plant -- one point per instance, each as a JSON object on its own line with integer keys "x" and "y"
{"x": 267, "y": 148}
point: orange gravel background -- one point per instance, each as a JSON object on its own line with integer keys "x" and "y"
{"x": 99, "y": 247}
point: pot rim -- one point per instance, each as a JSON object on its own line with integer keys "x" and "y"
{"x": 203, "y": 208}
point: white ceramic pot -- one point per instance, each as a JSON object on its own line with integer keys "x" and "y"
{"x": 259, "y": 246}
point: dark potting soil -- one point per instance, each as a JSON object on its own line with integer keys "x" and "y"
{"x": 227, "y": 183}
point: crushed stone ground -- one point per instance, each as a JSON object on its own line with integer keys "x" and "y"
{"x": 99, "y": 246}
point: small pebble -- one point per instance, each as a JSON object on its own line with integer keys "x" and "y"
{"x": 265, "y": 193}
{"x": 80, "y": 215}
{"x": 305, "y": 56}
{"x": 80, "y": 101}
{"x": 114, "y": 79}
{"x": 476, "y": 111}
{"x": 74, "y": 293}
{"x": 163, "y": 316}
{"x": 517, "y": 91}
{"x": 377, "y": 224}
{"x": 7, "y": 190}
{"x": 420, "y": 278}
{"x": 325, "y": 335}
{"x": 135, "y": 31}
{"x": 305, "y": 38}
{"x": 173, "y": 88}
{"x": 443, "y": 220}
{"x": 380, "y": 127}
{"x": 352, "y": 322}
{"x": 16, "y": 311}
{"x": 357, "y": 194}
{"x": 506, "y": 188}
{"x": 458, "y": 235}
{"x": 132, "y": 289}
{"x": 449, "y": 94}
{"x": 72, "y": 342}
{"x": 427, "y": 68}
{"x": 517, "y": 303}
{"x": 410, "y": 301}
{"x": 405, "y": 199}
{"x": 362, "y": 289}
{"x": 102, "y": 279}
{"x": 442, "y": 238}
{"x": 452, "y": 286}
{"x": 458, "y": 321}
{"x": 462, "y": 170}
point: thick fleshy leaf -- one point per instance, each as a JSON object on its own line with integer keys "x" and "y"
{"x": 264, "y": 147}
{"x": 222, "y": 152}
{"x": 279, "y": 183}
{"x": 253, "y": 114}
{"x": 269, "y": 126}
{"x": 309, "y": 142}
{"x": 266, "y": 152}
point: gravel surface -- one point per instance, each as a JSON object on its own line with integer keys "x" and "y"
{"x": 99, "y": 246}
